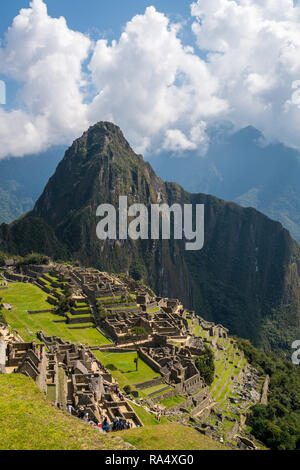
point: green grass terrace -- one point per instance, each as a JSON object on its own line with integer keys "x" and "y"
{"x": 24, "y": 297}
{"x": 123, "y": 368}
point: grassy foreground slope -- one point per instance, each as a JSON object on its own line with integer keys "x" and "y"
{"x": 28, "y": 421}
{"x": 169, "y": 437}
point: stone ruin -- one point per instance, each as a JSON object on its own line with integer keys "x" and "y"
{"x": 168, "y": 346}
{"x": 70, "y": 375}
{"x": 175, "y": 364}
{"x": 158, "y": 316}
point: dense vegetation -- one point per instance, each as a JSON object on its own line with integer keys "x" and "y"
{"x": 66, "y": 303}
{"x": 278, "y": 423}
{"x": 137, "y": 270}
{"x": 206, "y": 365}
{"x": 34, "y": 258}
{"x": 101, "y": 312}
{"x": 31, "y": 258}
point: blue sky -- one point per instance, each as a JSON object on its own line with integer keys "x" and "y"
{"x": 109, "y": 17}
{"x": 129, "y": 62}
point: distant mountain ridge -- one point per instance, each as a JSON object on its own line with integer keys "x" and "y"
{"x": 239, "y": 167}
{"x": 23, "y": 179}
{"x": 246, "y": 277}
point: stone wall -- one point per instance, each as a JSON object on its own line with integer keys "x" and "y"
{"x": 151, "y": 362}
{"x": 49, "y": 310}
{"x": 169, "y": 394}
{"x": 52, "y": 300}
{"x": 150, "y": 383}
{"x": 16, "y": 277}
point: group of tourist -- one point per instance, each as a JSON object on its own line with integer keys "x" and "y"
{"x": 118, "y": 424}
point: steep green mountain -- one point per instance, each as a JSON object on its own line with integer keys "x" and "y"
{"x": 246, "y": 276}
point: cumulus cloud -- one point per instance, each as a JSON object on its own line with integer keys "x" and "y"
{"x": 46, "y": 57}
{"x": 152, "y": 85}
{"x": 147, "y": 82}
{"x": 177, "y": 142}
{"x": 164, "y": 95}
{"x": 254, "y": 53}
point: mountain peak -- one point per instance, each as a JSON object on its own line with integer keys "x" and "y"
{"x": 99, "y": 165}
{"x": 99, "y": 140}
{"x": 104, "y": 128}
{"x": 248, "y": 134}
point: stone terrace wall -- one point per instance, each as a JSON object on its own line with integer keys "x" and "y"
{"x": 49, "y": 310}
{"x": 151, "y": 362}
{"x": 150, "y": 383}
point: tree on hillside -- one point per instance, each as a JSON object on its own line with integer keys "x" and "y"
{"x": 2, "y": 316}
{"x": 277, "y": 423}
{"x": 206, "y": 366}
{"x": 136, "y": 334}
{"x": 66, "y": 302}
{"x": 35, "y": 258}
{"x": 137, "y": 270}
{"x": 3, "y": 257}
{"x": 101, "y": 312}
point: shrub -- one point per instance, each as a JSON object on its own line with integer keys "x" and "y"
{"x": 111, "y": 367}
{"x": 127, "y": 389}
{"x": 277, "y": 424}
{"x": 34, "y": 258}
{"x": 137, "y": 270}
{"x": 101, "y": 312}
{"x": 206, "y": 366}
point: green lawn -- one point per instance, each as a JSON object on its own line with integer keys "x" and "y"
{"x": 25, "y": 297}
{"x": 118, "y": 297}
{"x": 90, "y": 335}
{"x": 126, "y": 373}
{"x": 172, "y": 401}
{"x": 29, "y": 422}
{"x": 79, "y": 308}
{"x": 148, "y": 419}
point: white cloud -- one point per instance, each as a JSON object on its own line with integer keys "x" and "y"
{"x": 161, "y": 93}
{"x": 147, "y": 82}
{"x": 151, "y": 85}
{"x": 177, "y": 142}
{"x": 254, "y": 54}
{"x": 46, "y": 57}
